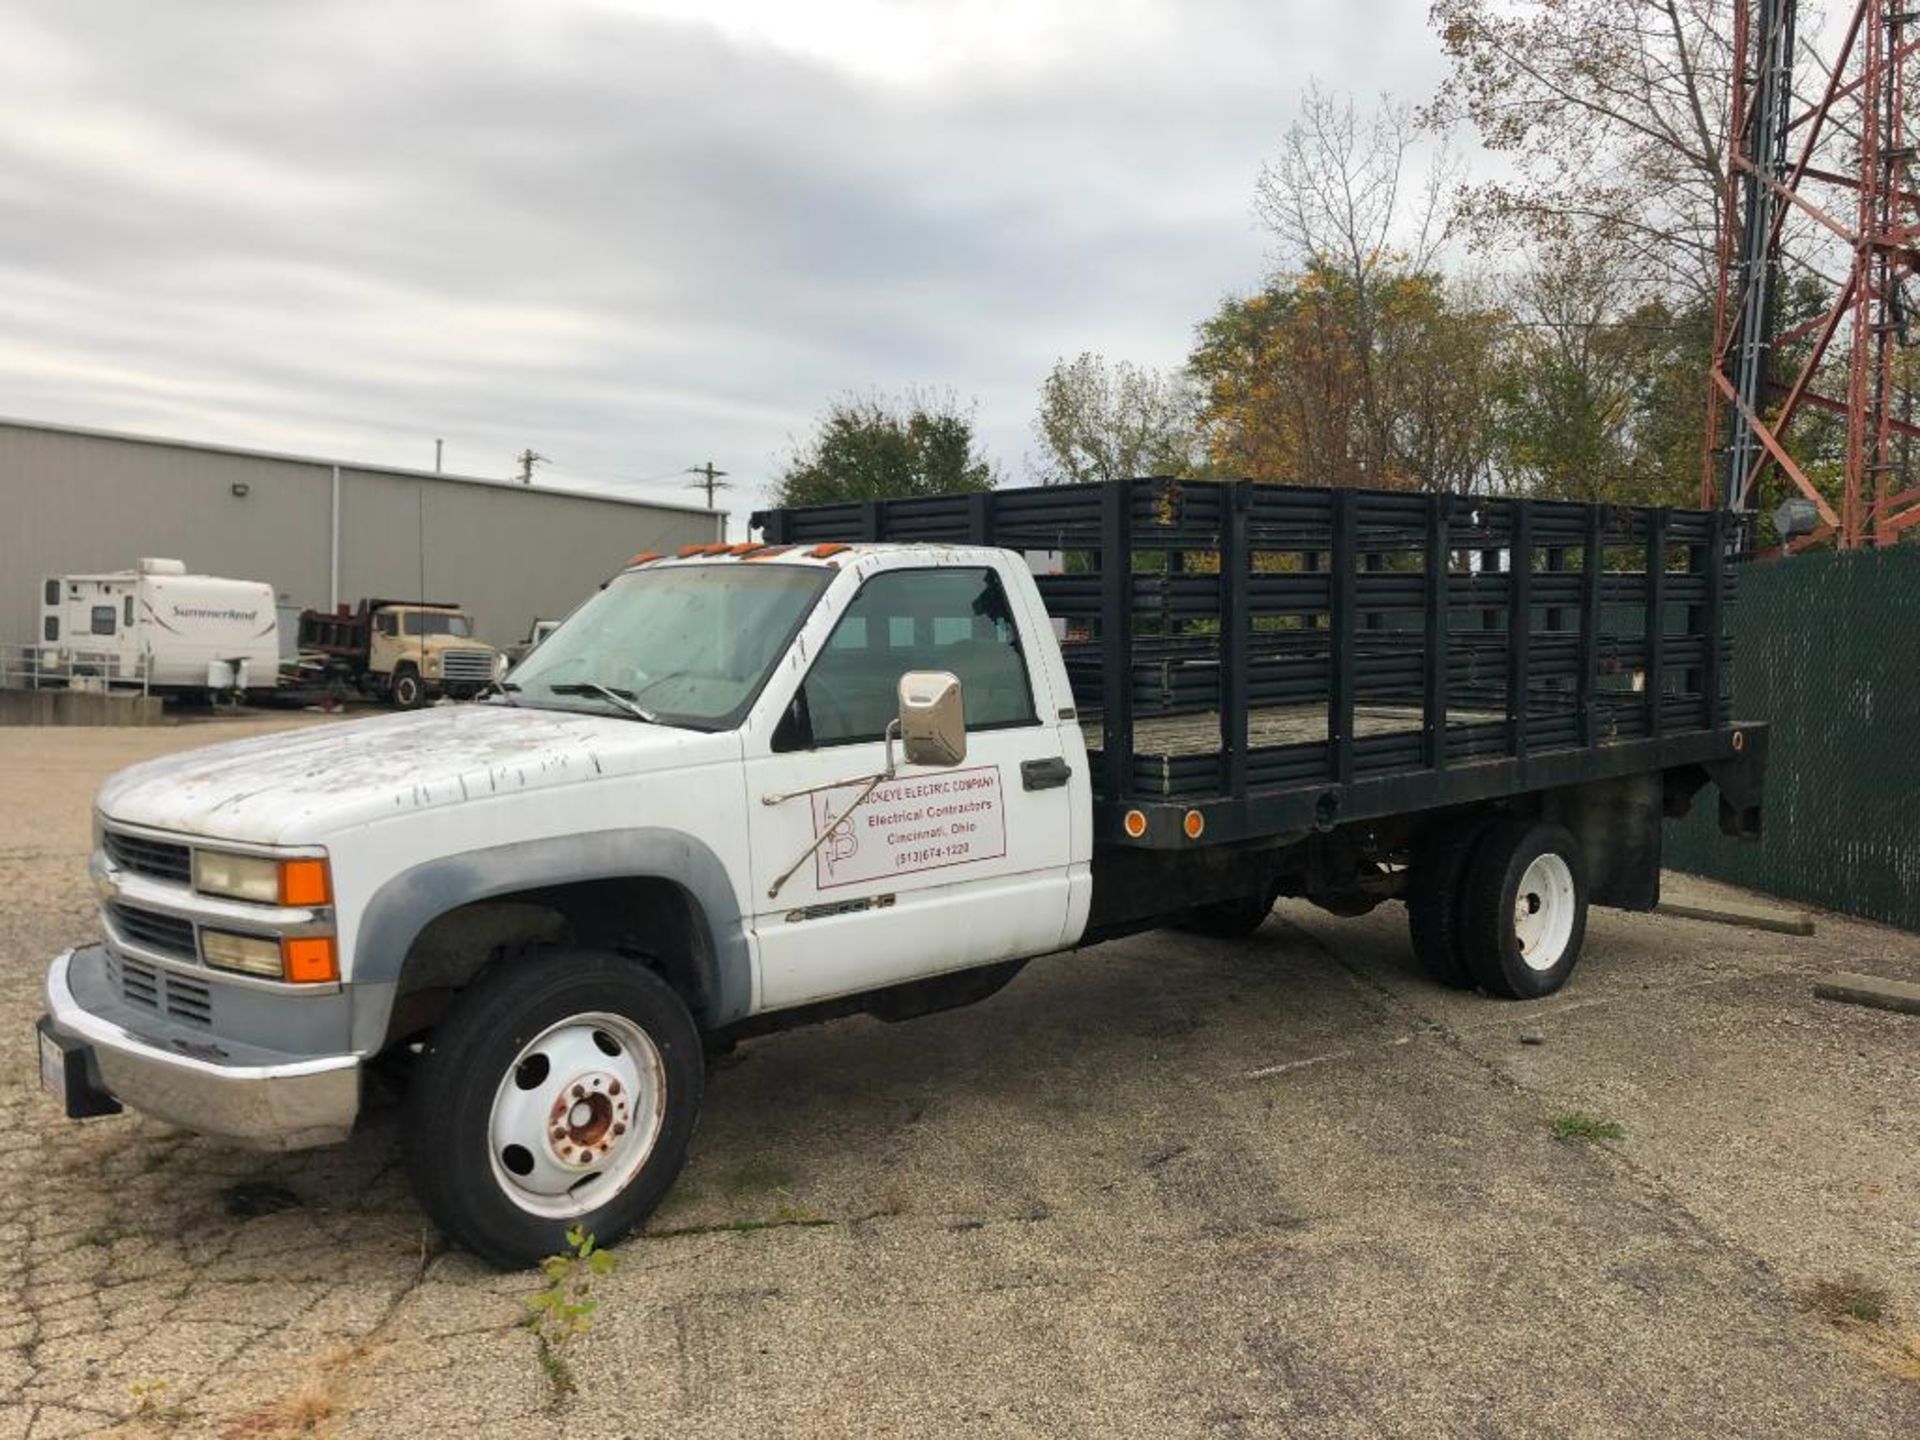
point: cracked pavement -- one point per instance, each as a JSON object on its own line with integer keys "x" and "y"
{"x": 1171, "y": 1186}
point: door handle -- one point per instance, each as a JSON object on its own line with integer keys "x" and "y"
{"x": 1048, "y": 774}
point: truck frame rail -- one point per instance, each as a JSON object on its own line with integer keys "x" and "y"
{"x": 1252, "y": 659}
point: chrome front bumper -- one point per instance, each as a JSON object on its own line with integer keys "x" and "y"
{"x": 256, "y": 1097}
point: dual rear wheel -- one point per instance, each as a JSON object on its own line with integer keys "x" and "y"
{"x": 1498, "y": 903}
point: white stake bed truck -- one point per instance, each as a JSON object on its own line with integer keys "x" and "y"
{"x": 874, "y": 765}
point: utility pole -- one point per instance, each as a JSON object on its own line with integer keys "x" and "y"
{"x": 709, "y": 480}
{"x": 438, "y": 446}
{"x": 528, "y": 459}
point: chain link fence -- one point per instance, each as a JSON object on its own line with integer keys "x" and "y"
{"x": 1827, "y": 648}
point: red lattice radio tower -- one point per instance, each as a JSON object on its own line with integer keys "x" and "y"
{"x": 1839, "y": 172}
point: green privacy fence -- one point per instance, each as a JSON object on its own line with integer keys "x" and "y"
{"x": 1827, "y": 648}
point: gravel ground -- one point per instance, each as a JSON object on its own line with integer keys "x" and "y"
{"x": 1169, "y": 1187}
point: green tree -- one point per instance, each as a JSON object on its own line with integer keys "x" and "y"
{"x": 1110, "y": 420}
{"x": 879, "y": 448}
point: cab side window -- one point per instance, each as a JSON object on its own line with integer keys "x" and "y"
{"x": 954, "y": 620}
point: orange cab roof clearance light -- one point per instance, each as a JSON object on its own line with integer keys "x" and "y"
{"x": 645, "y": 557}
{"x": 821, "y": 552}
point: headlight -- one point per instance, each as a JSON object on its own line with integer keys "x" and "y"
{"x": 499, "y": 665}
{"x": 433, "y": 662}
{"x": 238, "y": 877}
{"x": 262, "y": 879}
{"x": 251, "y": 954}
{"x": 303, "y": 960}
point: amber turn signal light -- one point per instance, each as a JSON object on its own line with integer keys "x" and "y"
{"x": 305, "y": 882}
{"x": 309, "y": 959}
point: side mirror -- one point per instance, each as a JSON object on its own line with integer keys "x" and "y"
{"x": 933, "y": 724}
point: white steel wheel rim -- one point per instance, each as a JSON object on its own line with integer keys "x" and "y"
{"x": 576, "y": 1115}
{"x": 1543, "y": 911}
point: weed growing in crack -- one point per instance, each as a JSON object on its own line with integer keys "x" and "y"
{"x": 564, "y": 1310}
{"x": 152, "y": 1407}
{"x": 1576, "y": 1126}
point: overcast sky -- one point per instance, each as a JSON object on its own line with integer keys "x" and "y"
{"x": 633, "y": 234}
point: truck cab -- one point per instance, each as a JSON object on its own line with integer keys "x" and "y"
{"x": 692, "y": 806}
{"x": 420, "y": 651}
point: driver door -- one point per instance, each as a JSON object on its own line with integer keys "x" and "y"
{"x": 938, "y": 869}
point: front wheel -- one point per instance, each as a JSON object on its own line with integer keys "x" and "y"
{"x": 562, "y": 1090}
{"x": 409, "y": 692}
{"x": 1526, "y": 909}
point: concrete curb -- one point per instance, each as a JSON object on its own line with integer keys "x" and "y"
{"x": 1873, "y": 991}
{"x": 1782, "y": 922}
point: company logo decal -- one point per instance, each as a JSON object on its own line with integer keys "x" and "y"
{"x": 907, "y": 825}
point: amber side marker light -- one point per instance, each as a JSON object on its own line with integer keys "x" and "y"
{"x": 1195, "y": 824}
{"x": 309, "y": 959}
{"x": 1136, "y": 823}
{"x": 305, "y": 882}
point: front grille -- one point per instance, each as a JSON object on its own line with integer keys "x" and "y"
{"x": 181, "y": 997}
{"x": 161, "y": 859}
{"x": 467, "y": 664}
{"x": 168, "y": 934}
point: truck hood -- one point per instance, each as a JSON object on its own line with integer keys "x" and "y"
{"x": 299, "y": 786}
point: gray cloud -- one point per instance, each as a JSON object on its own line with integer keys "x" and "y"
{"x": 630, "y": 241}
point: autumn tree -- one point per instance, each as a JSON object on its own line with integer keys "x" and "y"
{"x": 1359, "y": 363}
{"x": 1612, "y": 115}
{"x": 1105, "y": 419}
{"x": 877, "y": 448}
{"x": 1304, "y": 382}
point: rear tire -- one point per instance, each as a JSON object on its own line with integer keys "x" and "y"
{"x": 561, "y": 1090}
{"x": 1436, "y": 898}
{"x": 1526, "y": 910}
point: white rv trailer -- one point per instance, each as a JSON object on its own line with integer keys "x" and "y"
{"x": 159, "y": 626}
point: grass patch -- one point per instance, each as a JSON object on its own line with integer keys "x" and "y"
{"x": 1850, "y": 1299}
{"x": 1578, "y": 1126}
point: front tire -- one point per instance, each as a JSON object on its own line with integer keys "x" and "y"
{"x": 409, "y": 693}
{"x": 1526, "y": 909}
{"x": 561, "y": 1090}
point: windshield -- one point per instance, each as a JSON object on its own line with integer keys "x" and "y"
{"x": 691, "y": 644}
{"x": 426, "y": 622}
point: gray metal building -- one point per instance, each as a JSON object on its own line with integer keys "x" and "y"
{"x": 320, "y": 532}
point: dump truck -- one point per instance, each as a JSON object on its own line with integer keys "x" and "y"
{"x": 404, "y": 651}
{"x": 873, "y": 765}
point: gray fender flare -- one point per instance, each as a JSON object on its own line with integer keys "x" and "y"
{"x": 408, "y": 902}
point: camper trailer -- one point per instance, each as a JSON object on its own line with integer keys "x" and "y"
{"x": 159, "y": 627}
